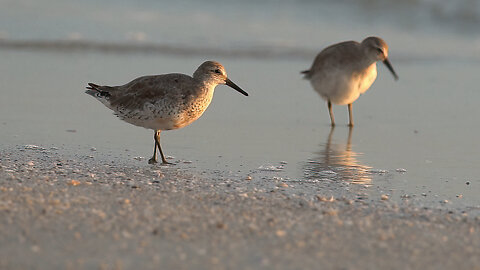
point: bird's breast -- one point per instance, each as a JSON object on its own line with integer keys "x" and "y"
{"x": 366, "y": 78}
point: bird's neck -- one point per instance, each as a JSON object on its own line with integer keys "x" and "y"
{"x": 206, "y": 90}
{"x": 368, "y": 58}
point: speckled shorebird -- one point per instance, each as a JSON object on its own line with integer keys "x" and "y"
{"x": 164, "y": 102}
{"x": 343, "y": 71}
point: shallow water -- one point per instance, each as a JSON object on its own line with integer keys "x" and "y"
{"x": 415, "y": 140}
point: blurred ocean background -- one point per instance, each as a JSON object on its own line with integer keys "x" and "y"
{"x": 416, "y": 29}
{"x": 415, "y": 139}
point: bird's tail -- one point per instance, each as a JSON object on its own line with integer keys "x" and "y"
{"x": 306, "y": 74}
{"x": 97, "y": 90}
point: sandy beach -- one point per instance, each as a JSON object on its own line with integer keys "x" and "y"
{"x": 75, "y": 212}
{"x": 259, "y": 182}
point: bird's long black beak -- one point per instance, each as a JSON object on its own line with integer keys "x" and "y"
{"x": 389, "y": 66}
{"x": 234, "y": 86}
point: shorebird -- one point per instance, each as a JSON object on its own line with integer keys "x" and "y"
{"x": 164, "y": 102}
{"x": 342, "y": 72}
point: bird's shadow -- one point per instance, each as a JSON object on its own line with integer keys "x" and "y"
{"x": 337, "y": 161}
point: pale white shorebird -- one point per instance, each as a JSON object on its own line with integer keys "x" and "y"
{"x": 164, "y": 102}
{"x": 342, "y": 72}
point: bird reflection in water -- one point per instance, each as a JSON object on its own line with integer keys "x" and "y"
{"x": 337, "y": 161}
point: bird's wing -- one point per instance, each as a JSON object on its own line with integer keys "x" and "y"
{"x": 150, "y": 89}
{"x": 335, "y": 55}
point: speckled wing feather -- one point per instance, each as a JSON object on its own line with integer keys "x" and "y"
{"x": 148, "y": 89}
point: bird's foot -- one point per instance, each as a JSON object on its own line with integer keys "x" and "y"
{"x": 166, "y": 163}
{"x": 153, "y": 160}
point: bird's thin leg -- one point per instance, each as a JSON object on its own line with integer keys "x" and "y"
{"x": 350, "y": 114}
{"x": 332, "y": 119}
{"x": 153, "y": 160}
{"x": 157, "y": 143}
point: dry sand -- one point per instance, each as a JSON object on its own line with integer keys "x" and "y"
{"x": 76, "y": 212}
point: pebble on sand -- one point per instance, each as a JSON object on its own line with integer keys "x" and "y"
{"x": 74, "y": 182}
{"x": 325, "y": 199}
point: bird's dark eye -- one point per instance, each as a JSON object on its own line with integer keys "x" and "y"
{"x": 380, "y": 50}
{"x": 218, "y": 71}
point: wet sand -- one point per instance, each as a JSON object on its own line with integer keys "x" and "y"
{"x": 74, "y": 211}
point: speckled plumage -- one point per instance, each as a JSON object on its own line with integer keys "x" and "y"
{"x": 342, "y": 72}
{"x": 164, "y": 102}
